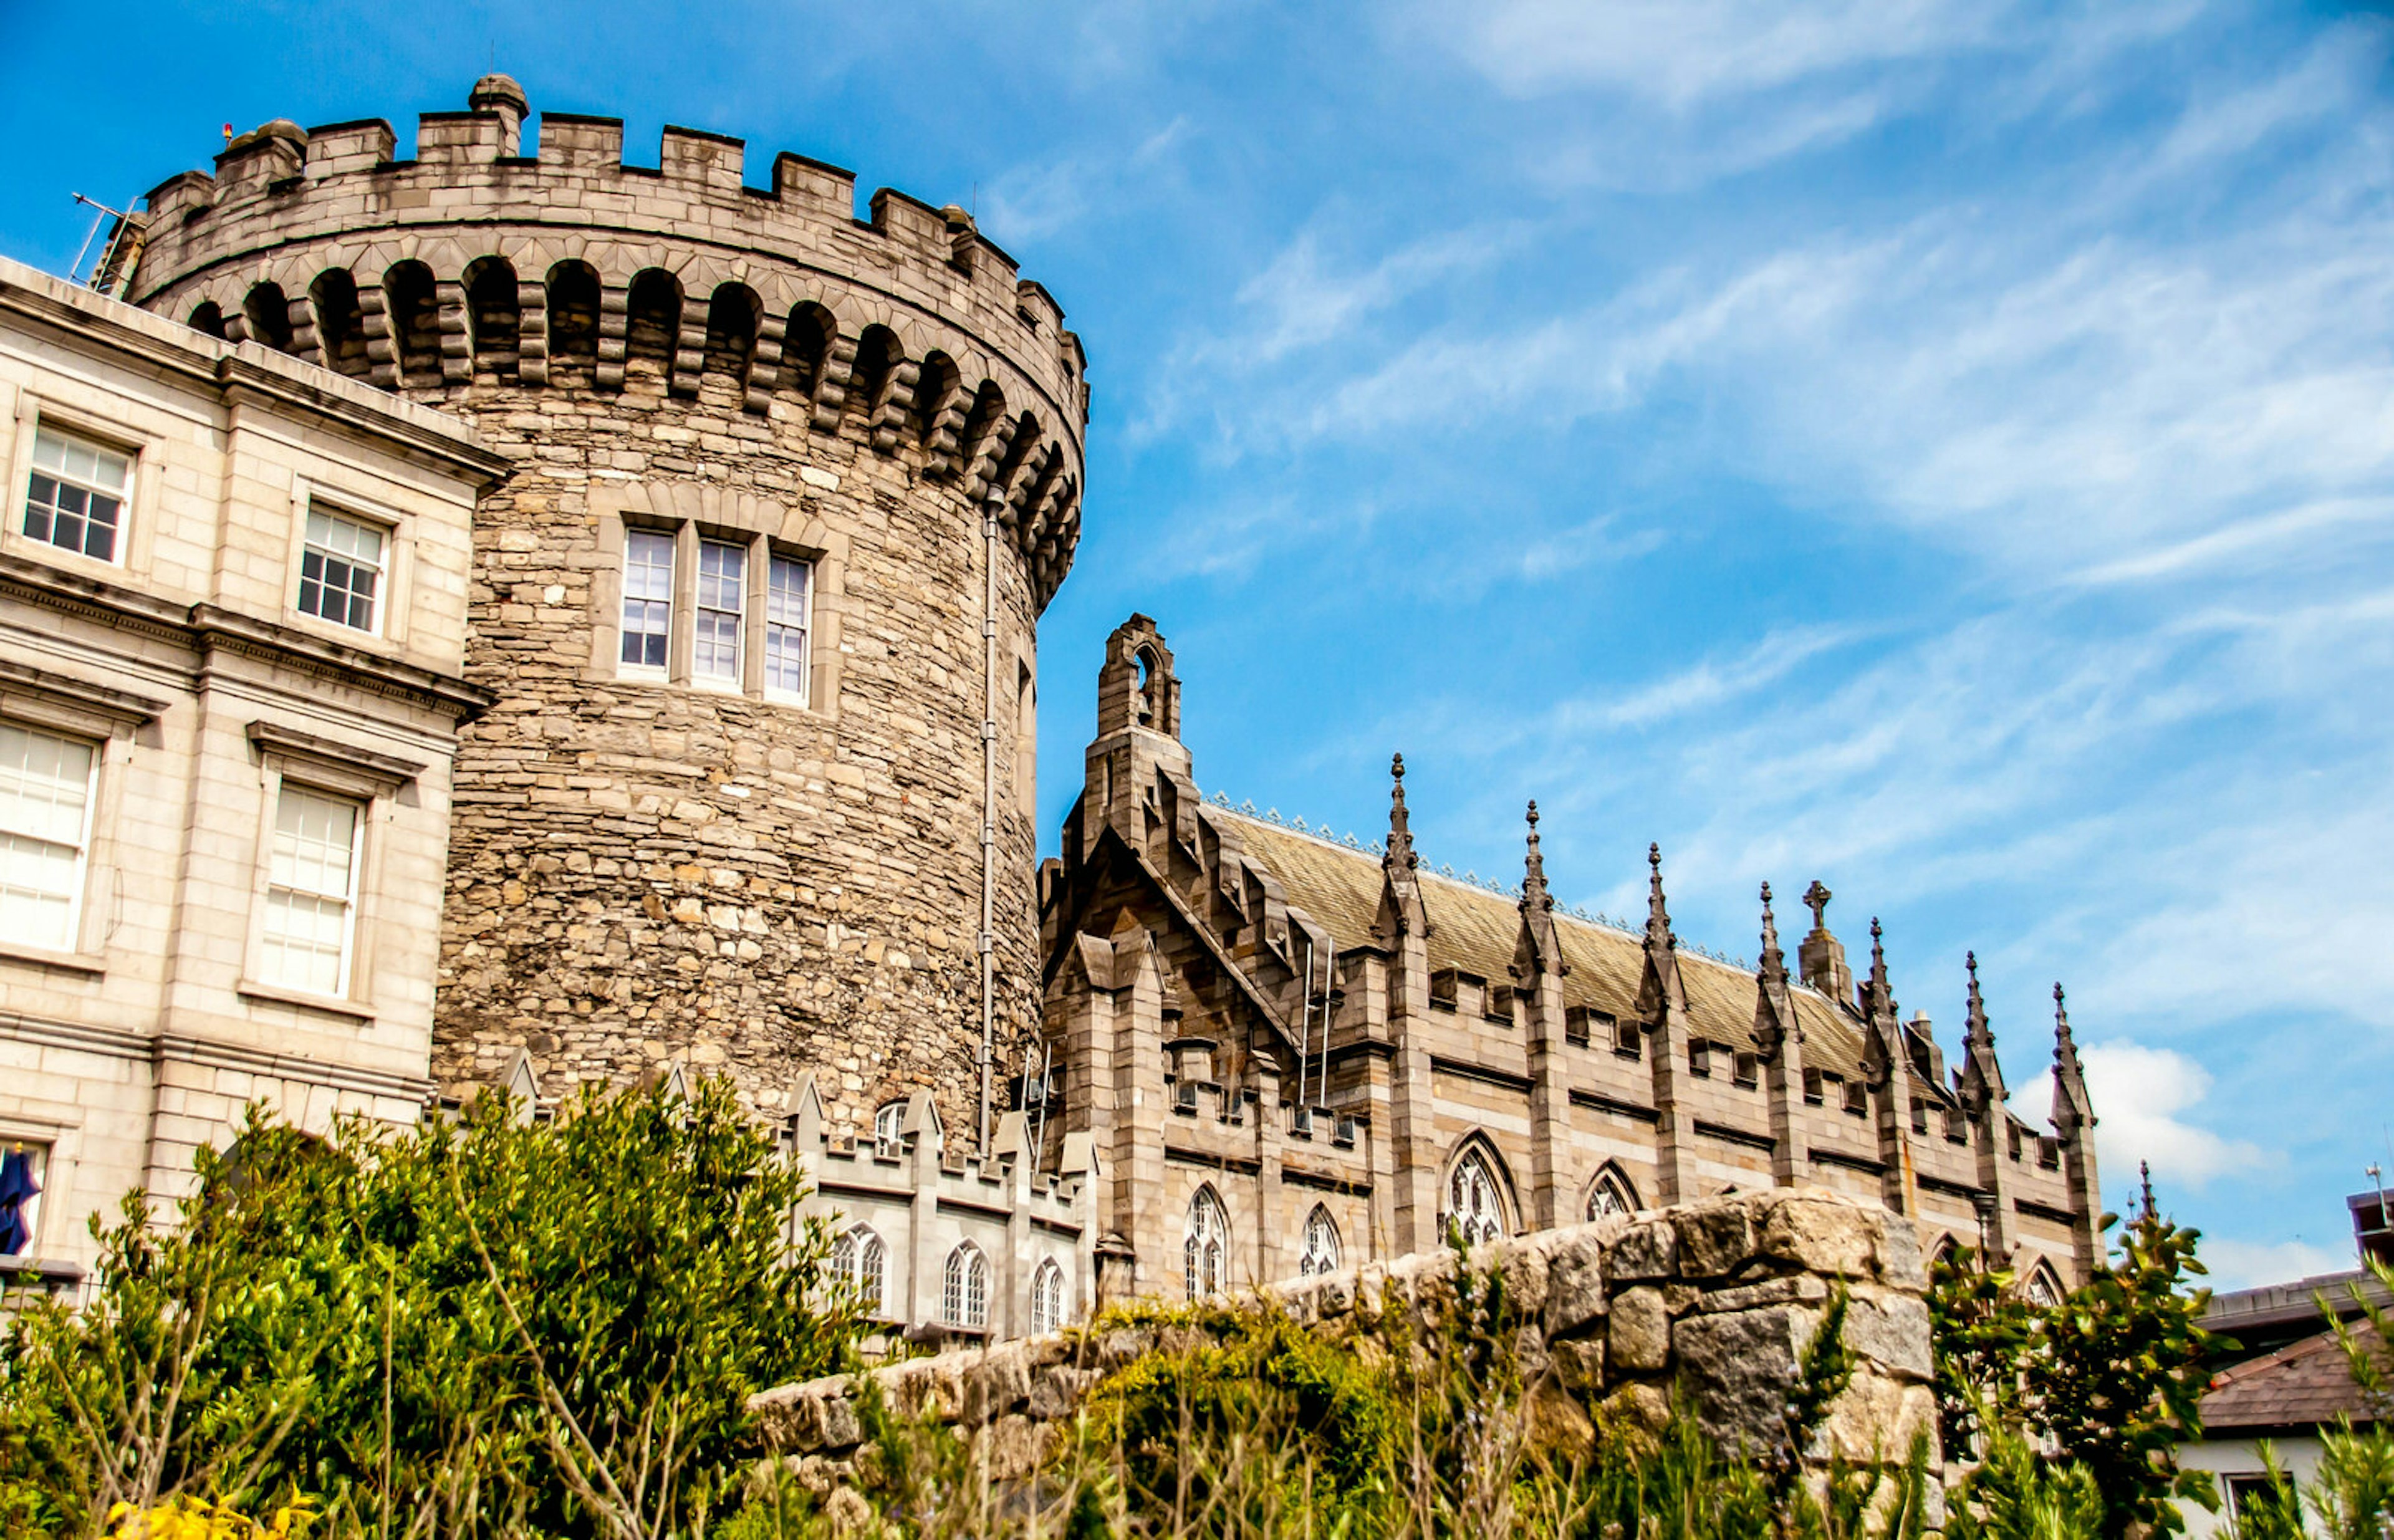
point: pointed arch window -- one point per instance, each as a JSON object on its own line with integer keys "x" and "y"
{"x": 2041, "y": 1289}
{"x": 1046, "y": 1298}
{"x": 860, "y": 1260}
{"x": 1474, "y": 1203}
{"x": 965, "y": 1293}
{"x": 1321, "y": 1250}
{"x": 890, "y": 1129}
{"x": 1612, "y": 1193}
{"x": 1205, "y": 1244}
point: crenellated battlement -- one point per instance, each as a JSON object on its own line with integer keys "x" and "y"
{"x": 472, "y": 263}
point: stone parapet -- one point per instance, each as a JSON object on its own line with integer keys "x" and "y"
{"x": 1716, "y": 1302}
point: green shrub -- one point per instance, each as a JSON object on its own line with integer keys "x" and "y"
{"x": 474, "y": 1327}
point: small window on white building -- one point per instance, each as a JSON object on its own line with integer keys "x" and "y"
{"x": 311, "y": 891}
{"x": 647, "y": 598}
{"x": 1320, "y": 1251}
{"x": 1046, "y": 1298}
{"x": 1205, "y": 1244}
{"x": 75, "y": 498}
{"x": 788, "y": 595}
{"x": 45, "y": 834}
{"x": 965, "y": 1294}
{"x": 24, "y": 1168}
{"x": 1473, "y": 1205}
{"x": 859, "y": 1261}
{"x": 722, "y": 594}
{"x": 341, "y": 570}
{"x": 890, "y": 1129}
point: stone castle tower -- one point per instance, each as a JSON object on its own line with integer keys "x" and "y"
{"x": 758, "y": 599}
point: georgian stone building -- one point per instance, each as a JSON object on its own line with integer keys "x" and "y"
{"x": 232, "y": 630}
{"x": 770, "y": 498}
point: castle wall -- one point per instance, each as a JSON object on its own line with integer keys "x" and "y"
{"x": 649, "y": 865}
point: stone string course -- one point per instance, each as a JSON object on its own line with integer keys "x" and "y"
{"x": 1716, "y": 1301}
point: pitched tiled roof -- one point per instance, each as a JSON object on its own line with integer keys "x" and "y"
{"x": 1474, "y": 930}
{"x": 2298, "y": 1387}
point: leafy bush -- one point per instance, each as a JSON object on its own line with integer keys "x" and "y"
{"x": 472, "y": 1328}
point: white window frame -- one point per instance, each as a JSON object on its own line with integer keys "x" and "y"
{"x": 361, "y": 810}
{"x": 1473, "y": 1199}
{"x": 804, "y": 625}
{"x": 964, "y": 1295}
{"x": 890, "y": 1129}
{"x": 364, "y": 777}
{"x": 77, "y": 437}
{"x": 1320, "y": 1251}
{"x": 743, "y": 553}
{"x": 1205, "y": 1244}
{"x": 758, "y": 618}
{"x": 378, "y": 610}
{"x": 96, "y": 750}
{"x": 626, "y": 600}
{"x": 1046, "y": 1298}
{"x": 860, "y": 1261}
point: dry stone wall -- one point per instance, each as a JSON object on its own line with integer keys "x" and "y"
{"x": 1715, "y": 1302}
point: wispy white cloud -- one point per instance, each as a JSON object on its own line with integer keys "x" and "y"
{"x": 2235, "y": 1264}
{"x": 1712, "y": 683}
{"x": 2147, "y": 1100}
{"x": 1033, "y": 202}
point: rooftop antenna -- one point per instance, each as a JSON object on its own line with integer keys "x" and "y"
{"x": 100, "y": 212}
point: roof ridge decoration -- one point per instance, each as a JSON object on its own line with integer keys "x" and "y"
{"x": 1775, "y": 1021}
{"x": 2072, "y": 1111}
{"x": 1982, "y": 1075}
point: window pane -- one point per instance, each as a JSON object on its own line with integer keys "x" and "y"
{"x": 309, "y": 903}
{"x": 648, "y": 597}
{"x": 75, "y": 498}
{"x": 785, "y": 625}
{"x": 340, "y": 569}
{"x": 722, "y": 581}
{"x": 44, "y": 798}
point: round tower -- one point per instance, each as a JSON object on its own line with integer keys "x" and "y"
{"x": 760, "y": 601}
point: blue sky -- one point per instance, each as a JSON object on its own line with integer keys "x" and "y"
{"x": 1944, "y": 449}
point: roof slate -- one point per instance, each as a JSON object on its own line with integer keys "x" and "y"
{"x": 1474, "y": 930}
{"x": 2302, "y": 1386}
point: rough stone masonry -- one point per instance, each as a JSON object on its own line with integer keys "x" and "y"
{"x": 1717, "y": 1300}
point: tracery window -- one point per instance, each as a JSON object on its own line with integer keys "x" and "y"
{"x": 1205, "y": 1244}
{"x": 1472, "y": 1202}
{"x": 1612, "y": 1193}
{"x": 889, "y": 1128}
{"x": 860, "y": 1259}
{"x": 1046, "y": 1298}
{"x": 1320, "y": 1251}
{"x": 966, "y": 1295}
{"x": 2041, "y": 1289}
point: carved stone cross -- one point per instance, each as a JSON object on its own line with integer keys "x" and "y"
{"x": 1817, "y": 897}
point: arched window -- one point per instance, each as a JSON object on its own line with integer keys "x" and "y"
{"x": 805, "y": 343}
{"x": 1205, "y": 1244}
{"x": 860, "y": 1260}
{"x": 1046, "y": 1298}
{"x": 2041, "y": 1289}
{"x": 877, "y": 353}
{"x": 1612, "y": 1193}
{"x": 889, "y": 1128}
{"x": 934, "y": 388}
{"x": 966, "y": 1295}
{"x": 1474, "y": 1203}
{"x": 1321, "y": 1252}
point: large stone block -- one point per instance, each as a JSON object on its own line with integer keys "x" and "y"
{"x": 1736, "y": 1370}
{"x": 1637, "y": 1337}
{"x": 1575, "y": 1284}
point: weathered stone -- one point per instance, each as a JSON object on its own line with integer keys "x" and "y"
{"x": 1558, "y": 1425}
{"x": 1714, "y": 1238}
{"x": 1877, "y": 1418}
{"x": 1892, "y": 1330}
{"x": 1821, "y": 1234}
{"x": 1574, "y": 1284}
{"x": 1580, "y": 1364}
{"x": 1737, "y": 1370}
{"x": 1800, "y": 1288}
{"x": 1647, "y": 1250}
{"x": 1638, "y": 1336}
